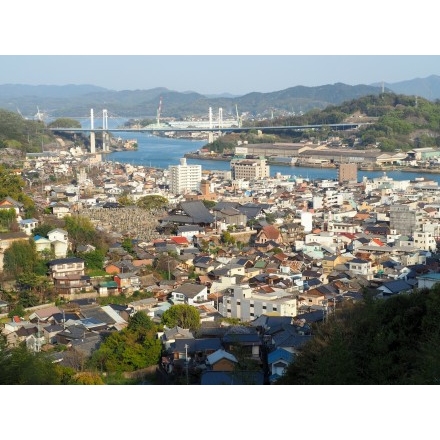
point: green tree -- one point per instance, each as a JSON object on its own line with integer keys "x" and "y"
{"x": 12, "y": 186}
{"x": 43, "y": 229}
{"x": 81, "y": 231}
{"x": 21, "y": 257}
{"x": 19, "y": 366}
{"x": 94, "y": 259}
{"x": 227, "y": 238}
{"x": 18, "y": 310}
{"x": 127, "y": 244}
{"x": 126, "y": 200}
{"x": 141, "y": 322}
{"x": 7, "y": 219}
{"x": 182, "y": 315}
{"x": 64, "y": 123}
{"x": 152, "y": 202}
{"x": 209, "y": 203}
{"x": 378, "y": 342}
{"x": 131, "y": 349}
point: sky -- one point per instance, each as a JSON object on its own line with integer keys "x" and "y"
{"x": 213, "y": 74}
{"x": 216, "y": 48}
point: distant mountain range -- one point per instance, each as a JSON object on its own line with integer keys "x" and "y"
{"x": 77, "y": 100}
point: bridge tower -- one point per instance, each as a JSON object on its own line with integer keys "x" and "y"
{"x": 105, "y": 134}
{"x": 210, "y": 134}
{"x": 92, "y": 134}
{"x": 220, "y": 118}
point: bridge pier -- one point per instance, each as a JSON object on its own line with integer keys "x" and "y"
{"x": 105, "y": 134}
{"x": 92, "y": 134}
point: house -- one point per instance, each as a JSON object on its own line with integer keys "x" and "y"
{"x": 143, "y": 305}
{"x": 311, "y": 297}
{"x": 66, "y": 266}
{"x": 60, "y": 209}
{"x": 196, "y": 349}
{"x": 290, "y": 337}
{"x": 58, "y": 234}
{"x": 107, "y": 288}
{"x": 278, "y": 360}
{"x": 43, "y": 315}
{"x": 59, "y": 242}
{"x": 121, "y": 267}
{"x": 190, "y": 294}
{"x": 42, "y": 244}
{"x": 204, "y": 264}
{"x": 9, "y": 203}
{"x": 360, "y": 267}
{"x": 394, "y": 287}
{"x": 245, "y": 340}
{"x": 169, "y": 336}
{"x": 127, "y": 282}
{"x": 221, "y": 360}
{"x": 50, "y": 332}
{"x": 180, "y": 242}
{"x": 28, "y": 225}
{"x": 428, "y": 281}
{"x": 268, "y": 233}
{"x": 188, "y": 231}
{"x": 329, "y": 262}
{"x": 70, "y": 284}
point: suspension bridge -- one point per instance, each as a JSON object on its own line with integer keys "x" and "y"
{"x": 220, "y": 125}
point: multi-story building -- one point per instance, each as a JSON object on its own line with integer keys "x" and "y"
{"x": 403, "y": 219}
{"x": 249, "y": 169}
{"x": 347, "y": 172}
{"x": 245, "y": 304}
{"x": 425, "y": 240}
{"x": 184, "y": 178}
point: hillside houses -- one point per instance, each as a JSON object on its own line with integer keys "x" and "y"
{"x": 284, "y": 250}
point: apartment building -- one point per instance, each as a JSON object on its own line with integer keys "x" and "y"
{"x": 184, "y": 178}
{"x": 249, "y": 169}
{"x": 246, "y": 304}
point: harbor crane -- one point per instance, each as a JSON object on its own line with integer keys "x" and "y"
{"x": 159, "y": 110}
{"x": 238, "y": 117}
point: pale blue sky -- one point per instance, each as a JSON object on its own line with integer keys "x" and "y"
{"x": 236, "y": 74}
{"x": 217, "y": 47}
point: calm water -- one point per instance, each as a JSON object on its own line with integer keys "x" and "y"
{"x": 160, "y": 152}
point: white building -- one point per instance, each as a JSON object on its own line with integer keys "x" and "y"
{"x": 184, "y": 178}
{"x": 249, "y": 169}
{"x": 307, "y": 221}
{"x": 245, "y": 304}
{"x": 424, "y": 240}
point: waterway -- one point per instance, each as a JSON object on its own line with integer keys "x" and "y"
{"x": 159, "y": 152}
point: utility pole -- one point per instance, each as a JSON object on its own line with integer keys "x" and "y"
{"x": 186, "y": 363}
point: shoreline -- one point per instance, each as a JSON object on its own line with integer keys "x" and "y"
{"x": 324, "y": 166}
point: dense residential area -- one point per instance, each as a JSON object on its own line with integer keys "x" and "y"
{"x": 184, "y": 276}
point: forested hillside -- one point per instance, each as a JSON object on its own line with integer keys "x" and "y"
{"x": 390, "y": 341}
{"x": 395, "y": 122}
{"x": 22, "y": 134}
